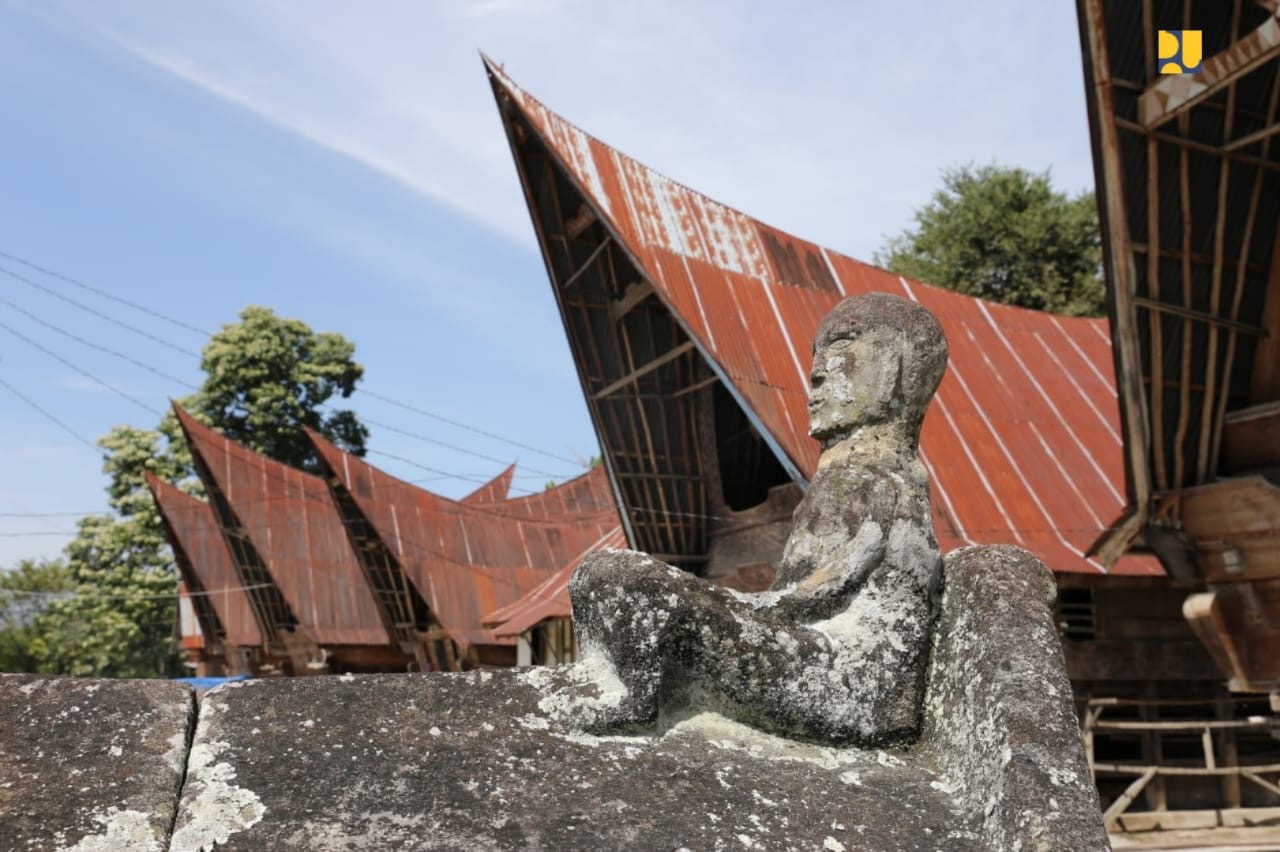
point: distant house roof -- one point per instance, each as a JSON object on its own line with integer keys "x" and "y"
{"x": 469, "y": 559}
{"x": 550, "y": 599}
{"x": 205, "y": 564}
{"x": 292, "y": 522}
{"x": 495, "y": 489}
{"x": 1022, "y": 443}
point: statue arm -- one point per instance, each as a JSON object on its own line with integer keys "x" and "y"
{"x": 848, "y": 567}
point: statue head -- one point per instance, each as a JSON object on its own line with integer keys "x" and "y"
{"x": 877, "y": 358}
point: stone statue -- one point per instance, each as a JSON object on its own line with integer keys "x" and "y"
{"x": 837, "y": 649}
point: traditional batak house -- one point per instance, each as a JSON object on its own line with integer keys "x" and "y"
{"x": 691, "y": 326}
{"x": 287, "y": 572}
{"x": 1188, "y": 175}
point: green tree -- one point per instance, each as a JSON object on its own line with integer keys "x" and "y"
{"x": 1005, "y": 234}
{"x": 264, "y": 377}
{"x": 26, "y": 591}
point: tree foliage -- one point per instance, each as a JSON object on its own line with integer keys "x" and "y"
{"x": 264, "y": 377}
{"x": 26, "y": 591}
{"x": 1006, "y": 235}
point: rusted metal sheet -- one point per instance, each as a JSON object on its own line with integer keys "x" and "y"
{"x": 1023, "y": 442}
{"x": 494, "y": 490}
{"x": 292, "y": 522}
{"x": 204, "y": 563}
{"x": 469, "y": 559}
{"x": 549, "y": 599}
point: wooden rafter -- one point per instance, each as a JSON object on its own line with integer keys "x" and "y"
{"x": 1272, "y": 344}
{"x": 644, "y": 369}
{"x": 634, "y": 295}
{"x": 1215, "y": 292}
{"x": 1251, "y": 138}
{"x": 1134, "y": 409}
{"x": 1173, "y": 94}
{"x": 1194, "y": 145}
{"x": 1184, "y": 372}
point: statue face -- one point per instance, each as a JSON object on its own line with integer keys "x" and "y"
{"x": 854, "y": 383}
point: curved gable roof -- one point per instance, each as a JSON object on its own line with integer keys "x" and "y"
{"x": 1023, "y": 442}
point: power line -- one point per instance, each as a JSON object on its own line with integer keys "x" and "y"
{"x": 35, "y": 533}
{"x": 104, "y": 294}
{"x": 468, "y": 428}
{"x": 59, "y": 330}
{"x": 52, "y": 418}
{"x": 475, "y": 479}
{"x": 456, "y": 448}
{"x": 133, "y": 328}
{"x": 70, "y": 595}
{"x": 50, "y": 514}
{"x": 159, "y": 315}
{"x": 81, "y": 371}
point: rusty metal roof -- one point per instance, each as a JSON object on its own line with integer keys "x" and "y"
{"x": 495, "y": 489}
{"x": 1023, "y": 441}
{"x": 205, "y": 564}
{"x": 550, "y": 599}
{"x": 292, "y": 522}
{"x": 469, "y": 559}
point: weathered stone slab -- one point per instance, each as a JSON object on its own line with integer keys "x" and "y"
{"x": 998, "y": 713}
{"x": 495, "y": 760}
{"x": 90, "y": 764}
{"x": 484, "y": 761}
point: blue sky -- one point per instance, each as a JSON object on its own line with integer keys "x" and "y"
{"x": 344, "y": 164}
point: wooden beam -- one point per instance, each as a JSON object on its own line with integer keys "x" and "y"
{"x": 1200, "y": 316}
{"x": 1190, "y": 726}
{"x": 634, "y": 295}
{"x": 1198, "y": 258}
{"x": 586, "y": 264}
{"x": 1265, "y": 384}
{"x": 1195, "y": 145}
{"x": 1271, "y": 322}
{"x": 1184, "y": 396}
{"x": 585, "y": 219}
{"x": 1116, "y": 238}
{"x": 1172, "y": 95}
{"x": 1249, "y": 439}
{"x": 1216, "y": 280}
{"x": 697, "y": 386}
{"x": 1253, "y": 776}
{"x": 1251, "y": 138}
{"x": 676, "y": 477}
{"x": 1186, "y": 771}
{"x": 1126, "y": 798}
{"x": 644, "y": 370}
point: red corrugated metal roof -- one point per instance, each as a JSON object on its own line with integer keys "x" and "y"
{"x": 469, "y": 559}
{"x": 203, "y": 560}
{"x": 550, "y": 599}
{"x": 494, "y": 490}
{"x": 1023, "y": 441}
{"x": 296, "y": 528}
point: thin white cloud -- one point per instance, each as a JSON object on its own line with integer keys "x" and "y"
{"x": 829, "y": 120}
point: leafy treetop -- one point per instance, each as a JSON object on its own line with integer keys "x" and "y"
{"x": 1006, "y": 235}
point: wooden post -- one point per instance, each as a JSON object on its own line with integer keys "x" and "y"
{"x": 1153, "y": 749}
{"x": 1230, "y": 755}
{"x": 1206, "y": 740}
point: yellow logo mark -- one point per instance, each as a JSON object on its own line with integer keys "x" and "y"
{"x": 1179, "y": 52}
